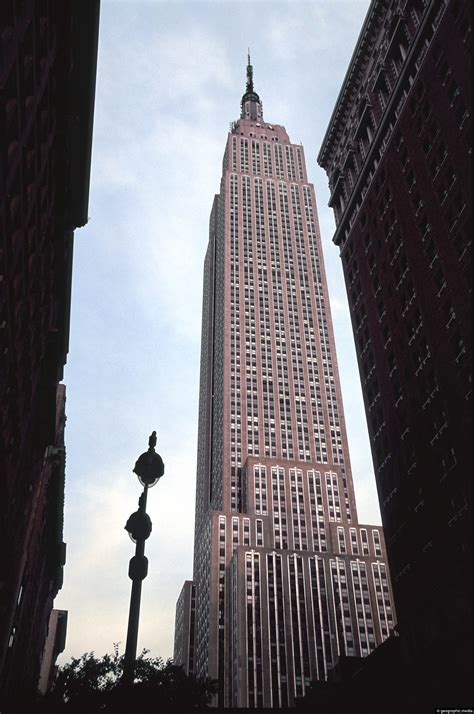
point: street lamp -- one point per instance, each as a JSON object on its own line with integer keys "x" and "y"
{"x": 149, "y": 469}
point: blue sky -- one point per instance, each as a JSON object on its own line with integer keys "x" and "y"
{"x": 170, "y": 78}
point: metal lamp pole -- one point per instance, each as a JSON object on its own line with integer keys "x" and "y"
{"x": 149, "y": 469}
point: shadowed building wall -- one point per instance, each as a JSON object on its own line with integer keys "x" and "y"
{"x": 398, "y": 156}
{"x": 48, "y": 54}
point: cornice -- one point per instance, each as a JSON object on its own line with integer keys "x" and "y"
{"x": 351, "y": 81}
{"x": 390, "y": 115}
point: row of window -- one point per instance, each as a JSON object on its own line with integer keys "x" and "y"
{"x": 320, "y": 607}
{"x": 262, "y": 243}
{"x": 278, "y": 161}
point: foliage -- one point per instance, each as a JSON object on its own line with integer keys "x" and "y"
{"x": 88, "y": 675}
{"x": 93, "y": 684}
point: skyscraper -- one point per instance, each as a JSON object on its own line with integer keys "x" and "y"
{"x": 398, "y": 156}
{"x": 286, "y": 579}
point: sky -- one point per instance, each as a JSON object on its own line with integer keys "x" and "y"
{"x": 170, "y": 78}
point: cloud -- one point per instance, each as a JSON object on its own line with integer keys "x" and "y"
{"x": 296, "y": 30}
{"x": 159, "y": 166}
{"x": 301, "y": 30}
{"x": 164, "y": 63}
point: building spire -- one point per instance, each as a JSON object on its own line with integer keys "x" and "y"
{"x": 249, "y": 74}
{"x": 251, "y": 106}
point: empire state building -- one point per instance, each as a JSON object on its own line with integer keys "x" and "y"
{"x": 285, "y": 578}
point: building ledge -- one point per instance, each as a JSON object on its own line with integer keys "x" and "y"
{"x": 82, "y": 81}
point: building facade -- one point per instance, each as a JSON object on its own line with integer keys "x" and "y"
{"x": 185, "y": 627}
{"x": 48, "y": 57}
{"x": 54, "y": 645}
{"x": 398, "y": 156}
{"x": 286, "y": 578}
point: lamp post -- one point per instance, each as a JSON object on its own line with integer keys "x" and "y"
{"x": 149, "y": 469}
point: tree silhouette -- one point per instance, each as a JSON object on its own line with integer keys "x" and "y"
{"x": 93, "y": 684}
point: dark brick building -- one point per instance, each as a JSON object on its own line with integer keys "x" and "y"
{"x": 48, "y": 54}
{"x": 398, "y": 156}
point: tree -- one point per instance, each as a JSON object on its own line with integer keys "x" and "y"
{"x": 93, "y": 684}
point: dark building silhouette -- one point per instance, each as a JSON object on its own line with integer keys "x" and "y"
{"x": 286, "y": 578}
{"x": 48, "y": 53}
{"x": 398, "y": 157}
